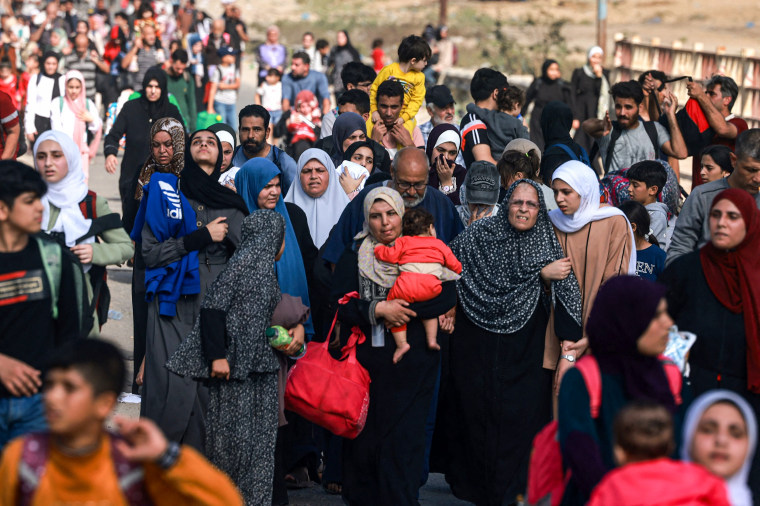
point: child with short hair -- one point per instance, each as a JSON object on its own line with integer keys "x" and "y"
{"x": 511, "y": 101}
{"x": 650, "y": 258}
{"x": 78, "y": 462}
{"x": 647, "y": 179}
{"x": 269, "y": 95}
{"x": 422, "y": 260}
{"x": 225, "y": 83}
{"x": 643, "y": 434}
{"x": 413, "y": 56}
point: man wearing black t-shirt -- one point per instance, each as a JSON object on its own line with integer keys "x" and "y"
{"x": 29, "y": 329}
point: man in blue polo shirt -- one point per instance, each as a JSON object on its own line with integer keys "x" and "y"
{"x": 301, "y": 77}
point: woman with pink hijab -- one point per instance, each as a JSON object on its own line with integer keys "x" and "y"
{"x": 78, "y": 117}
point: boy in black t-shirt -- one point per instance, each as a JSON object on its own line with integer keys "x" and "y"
{"x": 38, "y": 302}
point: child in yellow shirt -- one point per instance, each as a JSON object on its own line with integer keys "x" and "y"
{"x": 78, "y": 462}
{"x": 413, "y": 55}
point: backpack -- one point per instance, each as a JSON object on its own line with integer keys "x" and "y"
{"x": 53, "y": 254}
{"x": 584, "y": 158}
{"x": 101, "y": 294}
{"x": 651, "y": 131}
{"x": 616, "y": 184}
{"x": 34, "y": 458}
{"x": 547, "y": 477}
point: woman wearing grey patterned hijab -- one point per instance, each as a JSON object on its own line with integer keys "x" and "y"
{"x": 242, "y": 417}
{"x": 514, "y": 274}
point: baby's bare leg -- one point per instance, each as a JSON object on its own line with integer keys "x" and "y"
{"x": 431, "y": 333}
{"x": 401, "y": 345}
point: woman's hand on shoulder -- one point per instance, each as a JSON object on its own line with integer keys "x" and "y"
{"x": 557, "y": 270}
{"x": 395, "y": 312}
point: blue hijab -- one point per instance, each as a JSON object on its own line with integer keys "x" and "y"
{"x": 252, "y": 177}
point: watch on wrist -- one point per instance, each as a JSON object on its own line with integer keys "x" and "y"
{"x": 569, "y": 358}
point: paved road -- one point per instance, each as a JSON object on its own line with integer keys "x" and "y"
{"x": 120, "y": 331}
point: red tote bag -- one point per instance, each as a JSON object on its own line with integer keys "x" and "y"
{"x": 331, "y": 393}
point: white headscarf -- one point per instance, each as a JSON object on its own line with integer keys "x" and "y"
{"x": 67, "y": 193}
{"x": 582, "y": 179}
{"x": 738, "y": 491}
{"x": 448, "y": 136}
{"x": 321, "y": 213}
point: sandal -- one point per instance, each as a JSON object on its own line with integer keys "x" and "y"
{"x": 299, "y": 478}
{"x": 333, "y": 488}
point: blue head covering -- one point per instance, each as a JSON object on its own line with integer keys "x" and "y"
{"x": 252, "y": 177}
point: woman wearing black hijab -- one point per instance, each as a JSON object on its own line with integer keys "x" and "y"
{"x": 215, "y": 215}
{"x": 46, "y": 86}
{"x": 544, "y": 89}
{"x": 559, "y": 147}
{"x": 135, "y": 121}
{"x": 340, "y": 55}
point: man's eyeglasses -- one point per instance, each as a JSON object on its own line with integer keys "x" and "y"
{"x": 404, "y": 186}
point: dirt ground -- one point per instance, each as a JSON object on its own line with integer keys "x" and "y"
{"x": 731, "y": 25}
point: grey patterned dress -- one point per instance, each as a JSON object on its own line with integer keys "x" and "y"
{"x": 241, "y": 421}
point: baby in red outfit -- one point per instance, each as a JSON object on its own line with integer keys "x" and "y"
{"x": 423, "y": 261}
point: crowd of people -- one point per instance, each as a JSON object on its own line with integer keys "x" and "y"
{"x": 521, "y": 292}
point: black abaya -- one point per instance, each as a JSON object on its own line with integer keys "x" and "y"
{"x": 384, "y": 463}
{"x": 497, "y": 398}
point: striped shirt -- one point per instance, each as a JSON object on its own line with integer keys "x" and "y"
{"x": 88, "y": 69}
{"x": 474, "y": 131}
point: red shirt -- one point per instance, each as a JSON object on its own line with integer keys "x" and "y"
{"x": 8, "y": 117}
{"x": 696, "y": 161}
{"x": 378, "y": 56}
{"x": 663, "y": 482}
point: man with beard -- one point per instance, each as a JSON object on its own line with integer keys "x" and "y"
{"x": 629, "y": 140}
{"x": 409, "y": 176}
{"x": 253, "y": 131}
{"x": 300, "y": 78}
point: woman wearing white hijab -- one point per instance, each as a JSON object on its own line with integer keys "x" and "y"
{"x": 318, "y": 193}
{"x": 722, "y": 422}
{"x": 58, "y": 159}
{"x": 599, "y": 244}
{"x": 591, "y": 85}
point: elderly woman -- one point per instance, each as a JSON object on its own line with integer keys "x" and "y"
{"x": 597, "y": 242}
{"x": 183, "y": 223}
{"x": 628, "y": 330}
{"x": 167, "y": 156}
{"x": 442, "y": 149}
{"x": 714, "y": 293}
{"x": 720, "y": 433}
{"x": 384, "y": 463}
{"x": 78, "y": 218}
{"x": 318, "y": 193}
{"x": 512, "y": 272}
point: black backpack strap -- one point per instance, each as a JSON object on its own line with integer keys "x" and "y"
{"x": 652, "y": 133}
{"x": 614, "y": 136}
